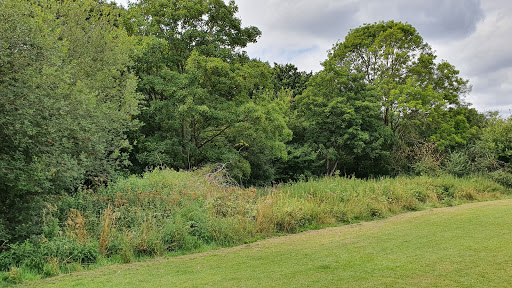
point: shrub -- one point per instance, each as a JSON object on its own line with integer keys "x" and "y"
{"x": 22, "y": 254}
{"x": 428, "y": 159}
{"x": 503, "y": 177}
{"x": 45, "y": 257}
{"x": 176, "y": 235}
{"x": 67, "y": 250}
{"x": 458, "y": 164}
{"x": 13, "y": 276}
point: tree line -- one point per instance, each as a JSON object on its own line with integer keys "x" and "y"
{"x": 90, "y": 91}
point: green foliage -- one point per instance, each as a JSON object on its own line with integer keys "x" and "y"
{"x": 177, "y": 237}
{"x": 220, "y": 114}
{"x": 342, "y": 121}
{"x": 502, "y": 176}
{"x": 66, "y": 100}
{"x": 492, "y": 152}
{"x": 37, "y": 255}
{"x": 427, "y": 159}
{"x": 24, "y": 253}
{"x": 208, "y": 26}
{"x": 458, "y": 164}
{"x": 384, "y": 53}
{"x": 4, "y": 234}
{"x": 456, "y": 128}
{"x": 68, "y": 250}
{"x": 206, "y": 102}
{"x": 497, "y": 139}
{"x": 288, "y": 77}
{"x": 13, "y": 276}
{"x": 88, "y": 88}
{"x": 301, "y": 163}
{"x": 421, "y": 101}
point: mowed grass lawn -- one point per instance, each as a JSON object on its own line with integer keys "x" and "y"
{"x": 463, "y": 246}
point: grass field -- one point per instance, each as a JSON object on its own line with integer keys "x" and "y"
{"x": 463, "y": 246}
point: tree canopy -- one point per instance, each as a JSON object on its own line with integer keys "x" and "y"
{"x": 341, "y": 116}
{"x": 205, "y": 100}
{"x": 422, "y": 101}
{"x": 66, "y": 99}
{"x": 394, "y": 59}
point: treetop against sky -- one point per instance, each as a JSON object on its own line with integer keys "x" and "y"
{"x": 470, "y": 34}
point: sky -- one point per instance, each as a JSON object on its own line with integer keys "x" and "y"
{"x": 473, "y": 35}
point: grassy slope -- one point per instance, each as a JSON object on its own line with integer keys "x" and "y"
{"x": 463, "y": 246}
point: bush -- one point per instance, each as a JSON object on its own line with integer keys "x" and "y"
{"x": 69, "y": 250}
{"x": 42, "y": 255}
{"x": 458, "y": 164}
{"x": 13, "y": 276}
{"x": 503, "y": 177}
{"x": 25, "y": 254}
{"x": 428, "y": 159}
{"x": 176, "y": 235}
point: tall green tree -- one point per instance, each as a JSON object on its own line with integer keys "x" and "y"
{"x": 302, "y": 160}
{"x": 418, "y": 96}
{"x": 496, "y": 141}
{"x": 66, "y": 100}
{"x": 206, "y": 101}
{"x": 182, "y": 26}
{"x": 215, "y": 112}
{"x": 394, "y": 59}
{"x": 341, "y": 116}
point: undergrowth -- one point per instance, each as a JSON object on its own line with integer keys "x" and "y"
{"x": 167, "y": 212}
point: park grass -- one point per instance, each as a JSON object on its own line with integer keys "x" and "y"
{"x": 463, "y": 246}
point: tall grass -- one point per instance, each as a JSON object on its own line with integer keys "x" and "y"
{"x": 165, "y": 211}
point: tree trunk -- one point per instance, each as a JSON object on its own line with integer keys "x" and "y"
{"x": 333, "y": 169}
{"x": 327, "y": 163}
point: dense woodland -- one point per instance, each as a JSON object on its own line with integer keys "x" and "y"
{"x": 91, "y": 92}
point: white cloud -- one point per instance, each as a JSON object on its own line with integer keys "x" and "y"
{"x": 484, "y": 58}
{"x": 289, "y": 25}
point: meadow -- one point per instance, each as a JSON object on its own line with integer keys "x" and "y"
{"x": 169, "y": 213}
{"x": 463, "y": 246}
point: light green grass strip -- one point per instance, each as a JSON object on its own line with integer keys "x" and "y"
{"x": 463, "y": 246}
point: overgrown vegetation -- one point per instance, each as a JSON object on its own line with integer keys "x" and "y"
{"x": 91, "y": 93}
{"x": 165, "y": 211}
